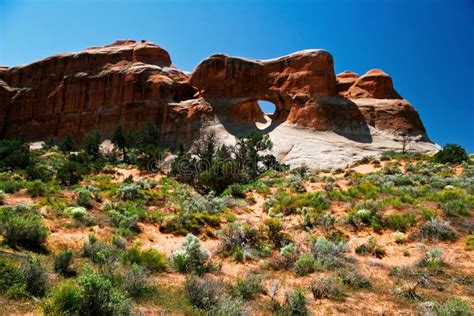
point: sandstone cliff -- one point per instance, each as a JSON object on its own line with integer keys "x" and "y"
{"x": 131, "y": 82}
{"x": 71, "y": 94}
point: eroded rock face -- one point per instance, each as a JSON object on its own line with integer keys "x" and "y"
{"x": 130, "y": 82}
{"x": 374, "y": 84}
{"x": 345, "y": 80}
{"x": 70, "y": 94}
{"x": 306, "y": 93}
{"x": 285, "y": 81}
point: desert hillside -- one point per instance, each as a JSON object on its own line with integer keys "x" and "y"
{"x": 85, "y": 232}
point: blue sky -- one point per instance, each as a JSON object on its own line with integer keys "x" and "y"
{"x": 426, "y": 46}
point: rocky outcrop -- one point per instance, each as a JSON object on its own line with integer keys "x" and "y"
{"x": 345, "y": 80}
{"x": 373, "y": 84}
{"x": 279, "y": 80}
{"x": 70, "y": 94}
{"x": 306, "y": 92}
{"x": 130, "y": 82}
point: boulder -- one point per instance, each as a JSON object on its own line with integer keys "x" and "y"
{"x": 373, "y": 84}
{"x": 345, "y": 80}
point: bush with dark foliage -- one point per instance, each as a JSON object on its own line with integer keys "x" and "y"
{"x": 92, "y": 144}
{"x": 214, "y": 167}
{"x": 14, "y": 154}
{"x": 70, "y": 173}
{"x": 68, "y": 144}
{"x": 22, "y": 228}
{"x": 451, "y": 153}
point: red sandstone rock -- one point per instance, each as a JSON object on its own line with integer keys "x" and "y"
{"x": 394, "y": 116}
{"x": 345, "y": 80}
{"x": 329, "y": 114}
{"x": 277, "y": 80}
{"x": 373, "y": 84}
{"x": 126, "y": 82}
{"x": 130, "y": 83}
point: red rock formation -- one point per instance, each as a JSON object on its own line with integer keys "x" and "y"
{"x": 129, "y": 83}
{"x": 126, "y": 82}
{"x": 373, "y": 84}
{"x": 345, "y": 80}
{"x": 394, "y": 116}
{"x": 280, "y": 80}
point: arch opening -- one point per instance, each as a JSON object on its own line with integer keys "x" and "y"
{"x": 268, "y": 110}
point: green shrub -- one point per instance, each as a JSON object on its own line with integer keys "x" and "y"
{"x": 286, "y": 258}
{"x": 129, "y": 192}
{"x": 370, "y": 247}
{"x": 12, "y": 186}
{"x": 68, "y": 144}
{"x": 2, "y": 197}
{"x": 86, "y": 197}
{"x": 204, "y": 292}
{"x": 456, "y": 207}
{"x": 248, "y": 287}
{"x": 92, "y": 144}
{"x": 305, "y": 264}
{"x": 12, "y": 283}
{"x": 295, "y": 183}
{"x": 39, "y": 171}
{"x": 229, "y": 305}
{"x": 186, "y": 223}
{"x": 76, "y": 212}
{"x": 453, "y": 306}
{"x": 400, "y": 222}
{"x": 191, "y": 257}
{"x": 353, "y": 279}
{"x": 435, "y": 229}
{"x": 284, "y": 203}
{"x": 125, "y": 217}
{"x": 469, "y": 243}
{"x": 136, "y": 281}
{"x": 295, "y": 303}
{"x": 366, "y": 213}
{"x": 451, "y": 153}
{"x": 14, "y": 154}
{"x": 63, "y": 261}
{"x": 196, "y": 203}
{"x": 326, "y": 287}
{"x": 37, "y": 188}
{"x": 328, "y": 253}
{"x": 22, "y": 228}
{"x": 432, "y": 260}
{"x": 366, "y": 190}
{"x": 311, "y": 218}
{"x": 220, "y": 175}
{"x": 150, "y": 259}
{"x": 428, "y": 214}
{"x": 66, "y": 299}
{"x": 119, "y": 242}
{"x": 100, "y": 297}
{"x": 70, "y": 173}
{"x": 92, "y": 294}
{"x": 99, "y": 252}
{"x": 274, "y": 231}
{"x": 242, "y": 241}
{"x": 237, "y": 190}
{"x": 34, "y": 275}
